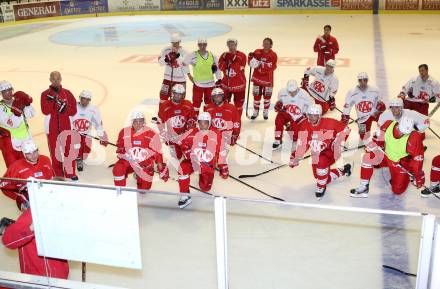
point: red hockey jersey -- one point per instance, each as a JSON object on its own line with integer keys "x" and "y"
{"x": 233, "y": 66}
{"x": 263, "y": 74}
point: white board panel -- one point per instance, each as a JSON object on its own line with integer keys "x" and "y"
{"x": 86, "y": 224}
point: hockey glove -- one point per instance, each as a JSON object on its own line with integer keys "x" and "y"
{"x": 432, "y": 99}
{"x": 224, "y": 171}
{"x": 103, "y": 140}
{"x": 218, "y": 83}
{"x": 345, "y": 118}
{"x": 332, "y": 102}
{"x": 4, "y": 223}
{"x": 419, "y": 179}
{"x": 234, "y": 139}
{"x": 278, "y": 106}
{"x": 214, "y": 68}
{"x": 164, "y": 173}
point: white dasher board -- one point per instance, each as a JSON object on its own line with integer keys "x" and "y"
{"x": 90, "y": 225}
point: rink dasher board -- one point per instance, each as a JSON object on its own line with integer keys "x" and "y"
{"x": 92, "y": 225}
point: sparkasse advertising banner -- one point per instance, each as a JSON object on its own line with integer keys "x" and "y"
{"x": 36, "y": 10}
{"x": 305, "y": 4}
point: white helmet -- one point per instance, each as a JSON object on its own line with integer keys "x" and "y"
{"x": 204, "y": 116}
{"x": 362, "y": 75}
{"x": 202, "y": 40}
{"x": 406, "y": 125}
{"x": 331, "y": 63}
{"x": 5, "y": 85}
{"x": 217, "y": 91}
{"x": 292, "y": 85}
{"x": 85, "y": 94}
{"x": 28, "y": 147}
{"x": 179, "y": 88}
{"x": 315, "y": 109}
{"x": 232, "y": 40}
{"x": 137, "y": 115}
{"x": 175, "y": 37}
{"x": 396, "y": 102}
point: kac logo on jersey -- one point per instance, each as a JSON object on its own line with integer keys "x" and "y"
{"x": 177, "y": 121}
{"x": 317, "y": 146}
{"x": 219, "y": 123}
{"x": 203, "y": 155}
{"x": 138, "y": 154}
{"x": 364, "y": 106}
{"x": 292, "y": 109}
{"x": 231, "y": 72}
{"x": 319, "y": 86}
{"x": 81, "y": 124}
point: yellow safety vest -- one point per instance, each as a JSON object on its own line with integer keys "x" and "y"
{"x": 203, "y": 69}
{"x": 395, "y": 148}
{"x": 19, "y": 133}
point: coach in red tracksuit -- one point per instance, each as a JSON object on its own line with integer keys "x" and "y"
{"x": 59, "y": 104}
{"x": 326, "y": 46}
{"x": 20, "y": 235}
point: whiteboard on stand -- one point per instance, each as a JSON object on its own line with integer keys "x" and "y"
{"x": 92, "y": 225}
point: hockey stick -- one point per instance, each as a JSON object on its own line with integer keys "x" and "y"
{"x": 434, "y": 110}
{"x": 255, "y": 153}
{"x": 248, "y": 90}
{"x": 283, "y": 165}
{"x": 398, "y": 270}
{"x": 94, "y": 137}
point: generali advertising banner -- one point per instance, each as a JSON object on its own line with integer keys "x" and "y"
{"x": 36, "y": 10}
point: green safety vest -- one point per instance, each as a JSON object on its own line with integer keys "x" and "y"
{"x": 395, "y": 148}
{"x": 20, "y": 132}
{"x": 203, "y": 69}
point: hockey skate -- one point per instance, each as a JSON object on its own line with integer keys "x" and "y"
{"x": 266, "y": 114}
{"x": 360, "y": 192}
{"x": 430, "y": 190}
{"x": 184, "y": 201}
{"x": 255, "y": 114}
{"x": 79, "y": 165}
{"x": 319, "y": 193}
{"x": 276, "y": 145}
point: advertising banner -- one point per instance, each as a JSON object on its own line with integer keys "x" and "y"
{"x": 430, "y": 4}
{"x": 36, "y": 10}
{"x": 259, "y": 4}
{"x": 192, "y": 4}
{"x": 7, "y": 12}
{"x": 307, "y": 4}
{"x": 73, "y": 7}
{"x": 357, "y": 4}
{"x": 236, "y": 4}
{"x": 133, "y": 5}
{"x": 401, "y": 4}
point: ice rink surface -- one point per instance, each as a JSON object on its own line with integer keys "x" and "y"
{"x": 270, "y": 246}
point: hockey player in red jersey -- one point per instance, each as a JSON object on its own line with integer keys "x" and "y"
{"x": 291, "y": 107}
{"x": 176, "y": 116}
{"x": 225, "y": 116}
{"x": 233, "y": 64}
{"x": 324, "y": 137}
{"x": 264, "y": 63}
{"x": 139, "y": 148}
{"x": 368, "y": 103}
{"x": 59, "y": 104}
{"x": 434, "y": 187}
{"x": 400, "y": 148}
{"x": 32, "y": 165}
{"x": 20, "y": 235}
{"x": 203, "y": 149}
{"x": 226, "y": 119}
{"x": 326, "y": 46}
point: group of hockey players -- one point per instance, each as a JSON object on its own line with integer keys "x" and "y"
{"x": 199, "y": 132}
